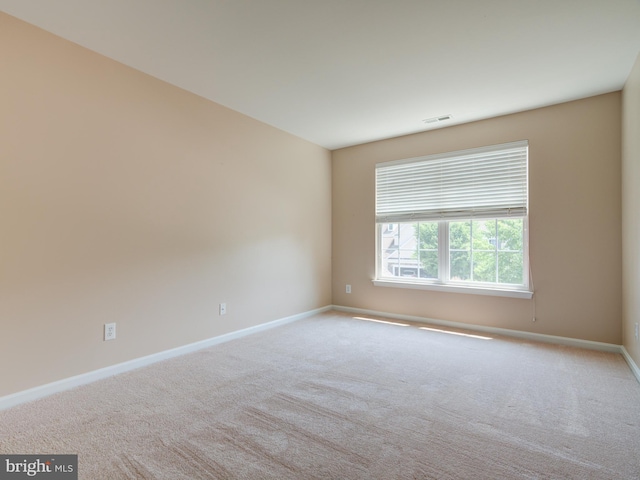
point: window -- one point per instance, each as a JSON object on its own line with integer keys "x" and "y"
{"x": 456, "y": 221}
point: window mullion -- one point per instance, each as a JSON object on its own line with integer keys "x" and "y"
{"x": 443, "y": 251}
{"x": 418, "y": 250}
{"x": 471, "y": 249}
{"x": 495, "y": 229}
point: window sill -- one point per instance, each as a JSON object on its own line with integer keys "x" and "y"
{"x": 496, "y": 292}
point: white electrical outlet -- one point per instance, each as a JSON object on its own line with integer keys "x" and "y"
{"x": 109, "y": 331}
{"x": 223, "y": 309}
{"x": 348, "y": 289}
{"x": 636, "y": 327}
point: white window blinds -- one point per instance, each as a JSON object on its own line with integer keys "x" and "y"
{"x": 487, "y": 182}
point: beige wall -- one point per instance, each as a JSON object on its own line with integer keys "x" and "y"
{"x": 575, "y": 222}
{"x": 631, "y": 211}
{"x": 124, "y": 199}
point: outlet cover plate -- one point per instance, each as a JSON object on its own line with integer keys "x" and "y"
{"x": 109, "y": 331}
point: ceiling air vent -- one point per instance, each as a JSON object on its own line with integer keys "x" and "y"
{"x": 438, "y": 119}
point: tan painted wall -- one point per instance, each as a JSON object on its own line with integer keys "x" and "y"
{"x": 631, "y": 211}
{"x": 575, "y": 222}
{"x": 125, "y": 199}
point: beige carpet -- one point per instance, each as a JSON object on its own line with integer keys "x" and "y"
{"x": 335, "y": 397}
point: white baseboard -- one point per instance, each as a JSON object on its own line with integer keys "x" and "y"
{"x": 573, "y": 342}
{"x": 632, "y": 365}
{"x": 35, "y": 393}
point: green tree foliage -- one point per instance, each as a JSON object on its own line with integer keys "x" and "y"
{"x": 510, "y": 251}
{"x": 427, "y": 233}
{"x": 460, "y": 250}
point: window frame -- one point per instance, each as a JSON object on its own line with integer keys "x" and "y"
{"x": 443, "y": 283}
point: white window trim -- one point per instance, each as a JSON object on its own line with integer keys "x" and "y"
{"x": 456, "y": 288}
{"x": 443, "y": 284}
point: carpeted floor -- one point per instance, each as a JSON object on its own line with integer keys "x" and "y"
{"x": 337, "y": 397}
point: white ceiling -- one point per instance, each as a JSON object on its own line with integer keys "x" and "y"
{"x": 344, "y": 72}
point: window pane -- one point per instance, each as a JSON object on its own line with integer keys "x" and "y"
{"x": 407, "y": 242}
{"x": 460, "y": 250}
{"x": 484, "y": 266}
{"x": 388, "y": 249}
{"x": 484, "y": 235}
{"x": 429, "y": 264}
{"x": 510, "y": 234}
{"x": 460, "y": 265}
{"x": 460, "y": 235}
{"x": 510, "y": 267}
{"x": 408, "y": 263}
{"x": 407, "y": 237}
{"x": 389, "y": 236}
{"x": 389, "y": 265}
{"x": 428, "y": 234}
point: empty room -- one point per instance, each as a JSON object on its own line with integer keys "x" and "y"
{"x": 286, "y": 239}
